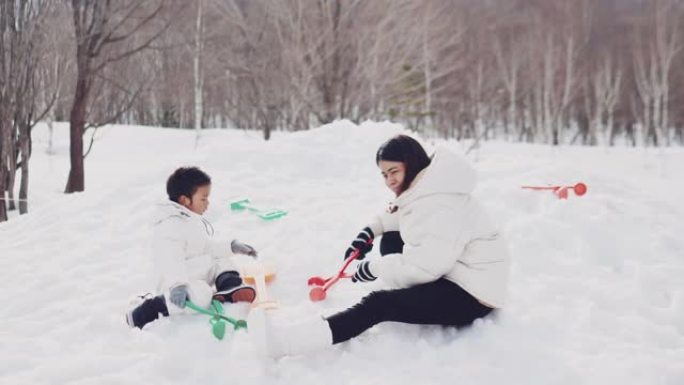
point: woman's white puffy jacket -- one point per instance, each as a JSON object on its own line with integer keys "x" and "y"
{"x": 446, "y": 234}
{"x": 185, "y": 252}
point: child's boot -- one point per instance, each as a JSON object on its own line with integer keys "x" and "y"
{"x": 229, "y": 288}
{"x": 147, "y": 312}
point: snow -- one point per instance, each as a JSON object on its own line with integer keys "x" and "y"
{"x": 596, "y": 289}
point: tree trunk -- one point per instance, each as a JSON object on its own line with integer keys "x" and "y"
{"x": 12, "y": 172}
{"x": 76, "y": 181}
{"x": 3, "y": 188}
{"x": 11, "y": 201}
{"x": 24, "y": 184}
{"x": 197, "y": 69}
{"x": 50, "y": 149}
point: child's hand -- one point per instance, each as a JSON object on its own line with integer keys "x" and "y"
{"x": 242, "y": 248}
{"x": 178, "y": 295}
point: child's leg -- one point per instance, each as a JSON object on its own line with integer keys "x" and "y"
{"x": 198, "y": 292}
{"x": 228, "y": 280}
{"x": 229, "y": 285}
{"x": 391, "y": 243}
{"x": 441, "y": 302}
{"x": 147, "y": 312}
{"x": 229, "y": 288}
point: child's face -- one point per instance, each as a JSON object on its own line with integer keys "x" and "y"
{"x": 199, "y": 202}
{"x": 393, "y": 173}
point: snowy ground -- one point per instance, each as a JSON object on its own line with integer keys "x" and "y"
{"x": 596, "y": 293}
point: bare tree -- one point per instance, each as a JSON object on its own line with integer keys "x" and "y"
{"x": 197, "y": 67}
{"x": 653, "y": 64}
{"x": 100, "y": 27}
{"x": 510, "y": 48}
{"x": 606, "y": 84}
{"x": 21, "y": 54}
{"x": 256, "y": 67}
{"x": 441, "y": 51}
{"x": 561, "y": 33}
{"x": 433, "y": 46}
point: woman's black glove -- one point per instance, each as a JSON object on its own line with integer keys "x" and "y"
{"x": 363, "y": 243}
{"x": 363, "y": 273}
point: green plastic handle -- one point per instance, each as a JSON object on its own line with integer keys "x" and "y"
{"x": 218, "y": 328}
{"x": 237, "y": 324}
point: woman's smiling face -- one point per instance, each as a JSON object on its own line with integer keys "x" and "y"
{"x": 393, "y": 173}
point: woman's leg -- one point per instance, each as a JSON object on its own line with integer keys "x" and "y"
{"x": 441, "y": 302}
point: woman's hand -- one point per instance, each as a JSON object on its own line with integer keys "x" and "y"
{"x": 363, "y": 243}
{"x": 363, "y": 273}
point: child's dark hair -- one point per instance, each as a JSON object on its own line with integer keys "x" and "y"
{"x": 186, "y": 181}
{"x": 407, "y": 150}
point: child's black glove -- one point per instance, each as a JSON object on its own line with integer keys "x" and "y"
{"x": 363, "y": 243}
{"x": 363, "y": 273}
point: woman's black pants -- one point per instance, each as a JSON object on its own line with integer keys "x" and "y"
{"x": 440, "y": 302}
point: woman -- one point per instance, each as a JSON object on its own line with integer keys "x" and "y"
{"x": 445, "y": 260}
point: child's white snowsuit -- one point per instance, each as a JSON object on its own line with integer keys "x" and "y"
{"x": 185, "y": 253}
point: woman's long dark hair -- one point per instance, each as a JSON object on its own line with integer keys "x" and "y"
{"x": 407, "y": 150}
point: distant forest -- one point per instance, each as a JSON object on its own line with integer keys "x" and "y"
{"x": 591, "y": 72}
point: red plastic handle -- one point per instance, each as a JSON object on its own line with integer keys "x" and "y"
{"x": 328, "y": 282}
{"x": 561, "y": 191}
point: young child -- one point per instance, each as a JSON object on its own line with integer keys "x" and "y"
{"x": 188, "y": 261}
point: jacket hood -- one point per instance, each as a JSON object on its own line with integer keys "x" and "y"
{"x": 167, "y": 209}
{"x": 448, "y": 173}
